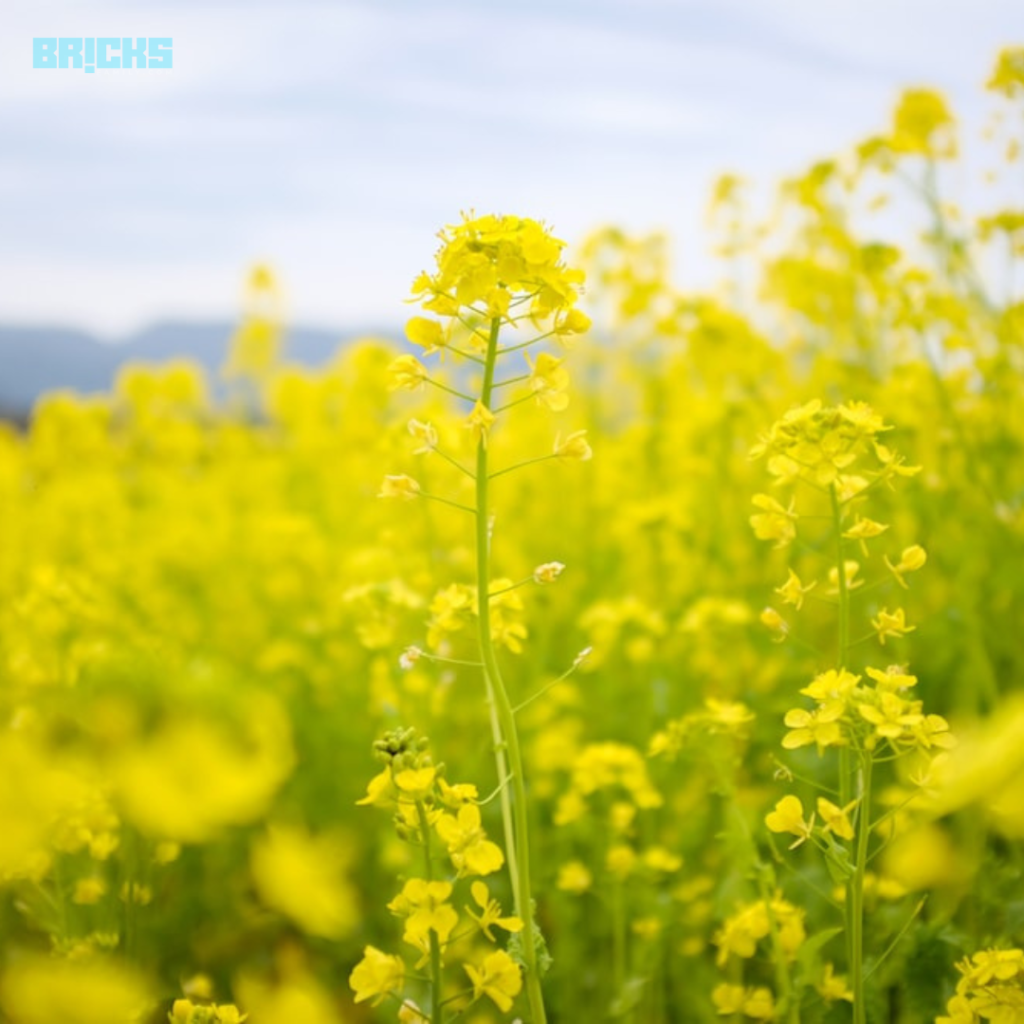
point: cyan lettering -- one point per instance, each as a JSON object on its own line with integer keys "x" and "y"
{"x": 44, "y": 52}
{"x": 102, "y": 58}
{"x": 130, "y": 53}
{"x": 160, "y": 55}
{"x": 70, "y": 49}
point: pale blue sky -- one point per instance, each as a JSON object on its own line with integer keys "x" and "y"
{"x": 334, "y": 138}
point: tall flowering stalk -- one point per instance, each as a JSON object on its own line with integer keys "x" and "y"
{"x": 837, "y": 454}
{"x": 495, "y": 274}
{"x": 434, "y": 816}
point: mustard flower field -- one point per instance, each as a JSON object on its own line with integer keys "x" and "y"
{"x": 605, "y": 651}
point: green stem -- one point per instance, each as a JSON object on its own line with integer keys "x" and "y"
{"x": 856, "y": 893}
{"x": 504, "y": 790}
{"x": 446, "y": 501}
{"x": 451, "y": 391}
{"x": 454, "y": 462}
{"x": 520, "y": 465}
{"x": 619, "y": 940}
{"x": 436, "y": 1011}
{"x": 844, "y": 594}
{"x": 516, "y": 818}
{"x": 842, "y": 653}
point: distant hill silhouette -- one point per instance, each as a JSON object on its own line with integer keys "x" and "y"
{"x": 34, "y": 360}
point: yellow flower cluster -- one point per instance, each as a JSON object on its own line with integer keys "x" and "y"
{"x": 184, "y": 1011}
{"x": 486, "y": 263}
{"x": 991, "y": 988}
{"x": 848, "y": 713}
{"x": 741, "y": 932}
{"x": 835, "y": 446}
{"x": 427, "y": 807}
{"x": 606, "y": 766}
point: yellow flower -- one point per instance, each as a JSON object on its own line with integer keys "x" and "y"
{"x": 45, "y": 990}
{"x": 755, "y": 1003}
{"x": 835, "y": 818}
{"x": 490, "y": 912}
{"x": 788, "y": 816}
{"x": 572, "y": 321}
{"x": 648, "y": 929}
{"x": 741, "y": 932}
{"x": 831, "y": 685}
{"x": 657, "y": 858}
{"x": 89, "y": 890}
{"x": 1008, "y": 74}
{"x": 406, "y": 373}
{"x": 621, "y": 816}
{"x": 548, "y": 381}
{"x": 776, "y": 623}
{"x": 193, "y": 777}
{"x": 484, "y": 261}
{"x": 863, "y": 530}
{"x": 775, "y": 521}
{"x": 621, "y": 860}
{"x": 891, "y": 716}
{"x": 425, "y": 908}
{"x": 415, "y": 783}
{"x": 376, "y": 976}
{"x": 498, "y": 978}
{"x": 816, "y": 444}
{"x": 851, "y": 570}
{"x": 575, "y": 446}
{"x": 574, "y": 877}
{"x": 912, "y": 559}
{"x": 728, "y": 999}
{"x": 792, "y": 591}
{"x": 380, "y": 791}
{"x": 548, "y": 572}
{"x": 183, "y": 1011}
{"x": 400, "y": 486}
{"x": 301, "y": 876}
{"x": 471, "y": 851}
{"x": 759, "y": 1004}
{"x": 457, "y": 794}
{"x": 410, "y": 1013}
{"x": 893, "y": 464}
{"x": 923, "y": 125}
{"x": 994, "y": 965}
{"x": 820, "y": 727}
{"x": 427, "y": 333}
{"x": 450, "y": 609}
{"x": 933, "y": 731}
{"x": 426, "y": 434}
{"x": 480, "y": 421}
{"x": 887, "y": 624}
{"x": 893, "y": 678}
{"x": 297, "y": 997}
{"x": 730, "y": 716}
{"x": 833, "y": 986}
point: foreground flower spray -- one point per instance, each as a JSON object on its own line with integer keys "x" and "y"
{"x": 434, "y": 815}
{"x": 495, "y": 275}
{"x": 832, "y": 461}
